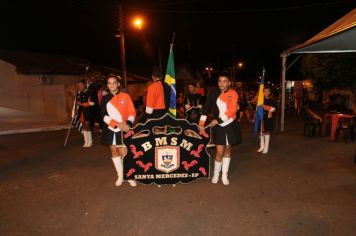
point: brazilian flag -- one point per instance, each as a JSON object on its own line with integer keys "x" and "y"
{"x": 259, "y": 108}
{"x": 170, "y": 79}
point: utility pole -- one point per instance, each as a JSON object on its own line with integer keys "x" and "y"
{"x": 122, "y": 46}
{"x": 160, "y": 59}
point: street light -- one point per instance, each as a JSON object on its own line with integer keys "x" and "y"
{"x": 209, "y": 70}
{"x": 239, "y": 65}
{"x": 138, "y": 24}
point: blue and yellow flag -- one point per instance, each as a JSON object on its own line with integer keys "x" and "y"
{"x": 170, "y": 79}
{"x": 259, "y": 108}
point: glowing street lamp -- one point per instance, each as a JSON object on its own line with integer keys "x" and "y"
{"x": 209, "y": 70}
{"x": 240, "y": 65}
{"x": 138, "y": 22}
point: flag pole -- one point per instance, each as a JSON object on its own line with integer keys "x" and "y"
{"x": 263, "y": 79}
{"x": 174, "y": 36}
{"x": 71, "y": 123}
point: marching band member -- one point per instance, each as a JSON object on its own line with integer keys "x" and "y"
{"x": 267, "y": 124}
{"x": 85, "y": 112}
{"x": 118, "y": 114}
{"x": 225, "y": 128}
{"x": 157, "y": 102}
{"x": 193, "y": 103}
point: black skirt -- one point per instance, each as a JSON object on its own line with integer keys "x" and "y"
{"x": 227, "y": 135}
{"x": 109, "y": 137}
{"x": 267, "y": 124}
{"x": 88, "y": 114}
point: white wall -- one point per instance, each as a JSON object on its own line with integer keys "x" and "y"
{"x": 25, "y": 92}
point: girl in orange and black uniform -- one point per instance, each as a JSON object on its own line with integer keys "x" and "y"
{"x": 85, "y": 112}
{"x": 267, "y": 124}
{"x": 121, "y": 104}
{"x": 225, "y": 128}
{"x": 158, "y": 94}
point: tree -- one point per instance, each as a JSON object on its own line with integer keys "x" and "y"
{"x": 330, "y": 70}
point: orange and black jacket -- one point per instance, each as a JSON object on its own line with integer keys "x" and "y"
{"x": 157, "y": 102}
{"x": 268, "y": 106}
{"x": 122, "y": 104}
{"x": 85, "y": 110}
{"x": 222, "y": 105}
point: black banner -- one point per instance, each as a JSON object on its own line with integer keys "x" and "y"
{"x": 166, "y": 151}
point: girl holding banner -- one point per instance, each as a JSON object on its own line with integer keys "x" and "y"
{"x": 118, "y": 113}
{"x": 225, "y": 128}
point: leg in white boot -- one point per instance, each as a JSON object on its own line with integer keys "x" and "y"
{"x": 225, "y": 170}
{"x": 132, "y": 183}
{"x": 265, "y": 149}
{"x": 217, "y": 169}
{"x": 89, "y": 139}
{"x": 85, "y": 136}
{"x": 262, "y": 143}
{"x": 119, "y": 170}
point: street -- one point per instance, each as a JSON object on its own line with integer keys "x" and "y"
{"x": 304, "y": 186}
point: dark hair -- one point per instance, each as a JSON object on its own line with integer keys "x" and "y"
{"x": 118, "y": 78}
{"x": 267, "y": 87}
{"x": 82, "y": 81}
{"x": 193, "y": 84}
{"x": 224, "y": 74}
{"x": 156, "y": 72}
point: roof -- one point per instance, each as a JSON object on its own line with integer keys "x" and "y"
{"x": 131, "y": 78}
{"x": 43, "y": 63}
{"x": 337, "y": 38}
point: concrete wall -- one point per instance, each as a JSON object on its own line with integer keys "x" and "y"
{"x": 25, "y": 92}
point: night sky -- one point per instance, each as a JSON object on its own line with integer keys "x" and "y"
{"x": 206, "y": 31}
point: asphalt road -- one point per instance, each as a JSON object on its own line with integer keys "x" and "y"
{"x": 304, "y": 186}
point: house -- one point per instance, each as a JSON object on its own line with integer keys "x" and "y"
{"x": 39, "y": 82}
{"x": 184, "y": 76}
{"x": 45, "y": 83}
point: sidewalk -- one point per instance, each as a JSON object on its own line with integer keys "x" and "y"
{"x": 14, "y": 121}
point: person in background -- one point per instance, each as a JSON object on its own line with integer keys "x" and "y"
{"x": 193, "y": 102}
{"x": 85, "y": 112}
{"x": 157, "y": 102}
{"x": 298, "y": 101}
{"x": 269, "y": 108}
{"x": 199, "y": 90}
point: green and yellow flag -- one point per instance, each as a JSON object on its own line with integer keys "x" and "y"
{"x": 170, "y": 79}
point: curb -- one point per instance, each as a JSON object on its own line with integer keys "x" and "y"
{"x": 34, "y": 130}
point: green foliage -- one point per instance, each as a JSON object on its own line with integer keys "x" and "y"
{"x": 330, "y": 70}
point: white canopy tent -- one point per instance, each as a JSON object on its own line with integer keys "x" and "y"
{"x": 340, "y": 37}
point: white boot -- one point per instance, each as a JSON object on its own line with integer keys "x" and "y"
{"x": 90, "y": 139}
{"x": 119, "y": 170}
{"x": 132, "y": 183}
{"x": 217, "y": 169}
{"x": 225, "y": 170}
{"x": 265, "y": 149}
{"x": 262, "y": 143}
{"x": 85, "y": 136}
